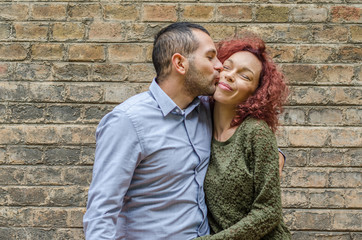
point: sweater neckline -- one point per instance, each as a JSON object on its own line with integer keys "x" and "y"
{"x": 229, "y": 140}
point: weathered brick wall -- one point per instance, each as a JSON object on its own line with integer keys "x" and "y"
{"x": 64, "y": 64}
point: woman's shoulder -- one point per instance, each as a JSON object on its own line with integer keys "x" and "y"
{"x": 252, "y": 125}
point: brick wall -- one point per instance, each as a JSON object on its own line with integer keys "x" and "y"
{"x": 64, "y": 64}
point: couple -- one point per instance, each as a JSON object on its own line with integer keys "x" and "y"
{"x": 153, "y": 150}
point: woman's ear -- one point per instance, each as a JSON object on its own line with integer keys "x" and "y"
{"x": 180, "y": 63}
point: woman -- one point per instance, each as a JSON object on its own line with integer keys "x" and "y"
{"x": 242, "y": 183}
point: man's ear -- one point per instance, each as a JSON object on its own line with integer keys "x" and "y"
{"x": 180, "y": 63}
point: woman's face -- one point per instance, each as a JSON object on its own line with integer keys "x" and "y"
{"x": 239, "y": 79}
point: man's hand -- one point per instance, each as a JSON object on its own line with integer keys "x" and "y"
{"x": 281, "y": 164}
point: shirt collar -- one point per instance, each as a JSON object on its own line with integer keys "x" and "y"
{"x": 167, "y": 105}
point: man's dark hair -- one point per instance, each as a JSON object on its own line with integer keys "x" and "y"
{"x": 175, "y": 38}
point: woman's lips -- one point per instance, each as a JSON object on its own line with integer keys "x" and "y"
{"x": 225, "y": 86}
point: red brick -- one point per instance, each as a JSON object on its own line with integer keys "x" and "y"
{"x": 125, "y": 12}
{"x": 106, "y": 31}
{"x": 86, "y": 53}
{"x": 345, "y": 14}
{"x": 47, "y": 51}
{"x": 160, "y": 12}
{"x": 49, "y": 11}
{"x": 195, "y": 13}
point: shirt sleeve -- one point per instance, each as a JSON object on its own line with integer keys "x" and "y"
{"x": 285, "y": 157}
{"x": 266, "y": 210}
{"x": 118, "y": 152}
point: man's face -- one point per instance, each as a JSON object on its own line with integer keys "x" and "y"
{"x": 204, "y": 67}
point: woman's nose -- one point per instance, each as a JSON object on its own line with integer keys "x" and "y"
{"x": 229, "y": 76}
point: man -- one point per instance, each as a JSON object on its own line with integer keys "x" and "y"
{"x": 153, "y": 150}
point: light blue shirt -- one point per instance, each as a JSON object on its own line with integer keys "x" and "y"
{"x": 150, "y": 164}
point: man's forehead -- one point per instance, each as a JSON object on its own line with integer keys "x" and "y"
{"x": 204, "y": 40}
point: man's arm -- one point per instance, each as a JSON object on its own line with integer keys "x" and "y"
{"x": 117, "y": 155}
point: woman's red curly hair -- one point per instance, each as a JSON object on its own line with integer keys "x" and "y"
{"x": 266, "y": 102}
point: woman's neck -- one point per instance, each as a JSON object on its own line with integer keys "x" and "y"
{"x": 223, "y": 115}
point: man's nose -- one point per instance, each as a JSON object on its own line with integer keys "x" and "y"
{"x": 218, "y": 66}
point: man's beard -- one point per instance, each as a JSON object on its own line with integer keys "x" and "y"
{"x": 197, "y": 84}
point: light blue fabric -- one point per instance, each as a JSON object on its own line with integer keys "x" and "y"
{"x": 150, "y": 164}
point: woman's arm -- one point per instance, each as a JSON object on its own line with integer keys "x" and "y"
{"x": 266, "y": 210}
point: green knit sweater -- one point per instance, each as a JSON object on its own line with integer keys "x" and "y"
{"x": 242, "y": 186}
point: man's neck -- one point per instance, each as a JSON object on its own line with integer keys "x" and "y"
{"x": 175, "y": 89}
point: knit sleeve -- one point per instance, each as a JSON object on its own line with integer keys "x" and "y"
{"x": 266, "y": 210}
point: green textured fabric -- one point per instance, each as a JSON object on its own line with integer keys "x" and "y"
{"x": 242, "y": 186}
